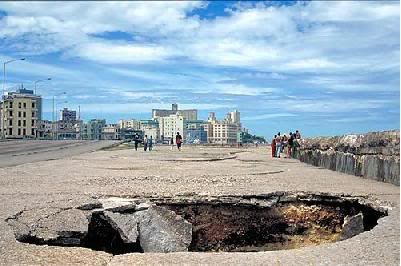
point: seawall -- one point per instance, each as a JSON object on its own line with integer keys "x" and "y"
{"x": 375, "y": 155}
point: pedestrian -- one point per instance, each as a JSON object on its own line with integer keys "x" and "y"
{"x": 278, "y": 145}
{"x": 290, "y": 145}
{"x": 150, "y": 143}
{"x": 297, "y": 134}
{"x": 178, "y": 141}
{"x": 274, "y": 146}
{"x": 284, "y": 144}
{"x": 145, "y": 143}
{"x": 136, "y": 141}
{"x": 172, "y": 143}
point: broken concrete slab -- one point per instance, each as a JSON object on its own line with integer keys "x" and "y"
{"x": 115, "y": 204}
{"x": 353, "y": 225}
{"x": 125, "y": 224}
{"x": 161, "y": 230}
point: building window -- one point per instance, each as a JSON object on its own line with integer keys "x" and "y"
{"x": 24, "y": 123}
{"x": 10, "y": 113}
{"x": 33, "y": 105}
{"x": 24, "y": 105}
{"x": 24, "y": 114}
{"x": 11, "y": 104}
{"x": 10, "y": 122}
{"x": 19, "y": 105}
{"x": 33, "y": 122}
{"x": 19, "y": 114}
{"x": 10, "y": 131}
{"x": 33, "y": 132}
{"x": 19, "y": 131}
{"x": 33, "y": 114}
{"x": 19, "y": 123}
{"x": 24, "y": 132}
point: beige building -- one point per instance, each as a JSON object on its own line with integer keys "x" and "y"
{"x": 170, "y": 125}
{"x": 111, "y": 132}
{"x": 20, "y": 113}
{"x": 190, "y": 114}
{"x": 130, "y": 123}
{"x": 150, "y": 128}
{"x": 226, "y": 131}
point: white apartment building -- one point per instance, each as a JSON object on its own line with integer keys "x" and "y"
{"x": 170, "y": 125}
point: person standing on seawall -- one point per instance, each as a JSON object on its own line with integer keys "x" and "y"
{"x": 178, "y": 141}
{"x": 145, "y": 143}
{"x": 274, "y": 146}
{"x": 278, "y": 145}
{"x": 136, "y": 141}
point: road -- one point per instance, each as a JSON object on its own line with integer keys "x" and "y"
{"x": 16, "y": 152}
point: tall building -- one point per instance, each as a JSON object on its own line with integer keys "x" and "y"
{"x": 68, "y": 115}
{"x": 68, "y": 126}
{"x": 20, "y": 112}
{"x": 190, "y": 114}
{"x": 227, "y": 131}
{"x": 170, "y": 125}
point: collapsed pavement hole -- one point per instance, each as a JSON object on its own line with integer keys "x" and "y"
{"x": 241, "y": 224}
{"x": 247, "y": 227}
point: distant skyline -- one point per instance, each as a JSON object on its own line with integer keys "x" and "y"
{"x": 323, "y": 67}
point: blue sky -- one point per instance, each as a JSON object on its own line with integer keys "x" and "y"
{"x": 324, "y": 68}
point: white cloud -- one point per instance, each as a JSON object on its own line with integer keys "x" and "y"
{"x": 267, "y": 116}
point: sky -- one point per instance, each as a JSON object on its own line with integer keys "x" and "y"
{"x": 323, "y": 67}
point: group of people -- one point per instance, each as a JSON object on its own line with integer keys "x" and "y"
{"x": 285, "y": 144}
{"x": 148, "y": 142}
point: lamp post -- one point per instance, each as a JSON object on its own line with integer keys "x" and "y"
{"x": 3, "y": 134}
{"x": 40, "y": 80}
{"x": 63, "y": 93}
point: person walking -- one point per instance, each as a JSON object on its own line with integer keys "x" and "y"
{"x": 136, "y": 141}
{"x": 150, "y": 143}
{"x": 278, "y": 145}
{"x": 178, "y": 141}
{"x": 145, "y": 143}
{"x": 274, "y": 146}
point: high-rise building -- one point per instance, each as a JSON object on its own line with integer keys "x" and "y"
{"x": 68, "y": 115}
{"x": 226, "y": 131}
{"x": 150, "y": 128}
{"x": 20, "y": 112}
{"x": 190, "y": 114}
{"x": 170, "y": 125}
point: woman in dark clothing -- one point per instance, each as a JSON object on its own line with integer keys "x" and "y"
{"x": 274, "y": 146}
{"x": 178, "y": 141}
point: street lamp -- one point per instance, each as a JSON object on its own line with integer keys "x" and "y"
{"x": 63, "y": 93}
{"x": 40, "y": 80}
{"x": 4, "y": 89}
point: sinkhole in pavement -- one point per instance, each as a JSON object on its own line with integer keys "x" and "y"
{"x": 230, "y": 223}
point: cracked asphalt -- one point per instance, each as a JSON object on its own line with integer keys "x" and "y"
{"x": 71, "y": 179}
